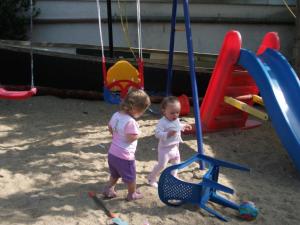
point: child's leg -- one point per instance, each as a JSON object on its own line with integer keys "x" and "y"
{"x": 109, "y": 190}
{"x": 131, "y": 187}
{"x": 163, "y": 159}
{"x": 112, "y": 182}
{"x": 174, "y": 161}
{"x": 127, "y": 171}
{"x": 133, "y": 194}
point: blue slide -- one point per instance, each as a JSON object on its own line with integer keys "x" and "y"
{"x": 280, "y": 89}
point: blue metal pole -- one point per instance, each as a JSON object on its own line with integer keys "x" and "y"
{"x": 171, "y": 48}
{"x": 193, "y": 76}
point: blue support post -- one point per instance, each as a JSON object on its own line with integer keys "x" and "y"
{"x": 171, "y": 49}
{"x": 193, "y": 77}
{"x": 191, "y": 65}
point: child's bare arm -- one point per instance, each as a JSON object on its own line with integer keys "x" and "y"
{"x": 110, "y": 129}
{"x": 132, "y": 137}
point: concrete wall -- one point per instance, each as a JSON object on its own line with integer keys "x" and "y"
{"x": 75, "y": 21}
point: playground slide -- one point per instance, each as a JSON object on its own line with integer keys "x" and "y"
{"x": 279, "y": 87}
{"x": 220, "y": 79}
{"x": 229, "y": 79}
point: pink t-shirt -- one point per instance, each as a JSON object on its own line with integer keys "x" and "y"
{"x": 123, "y": 124}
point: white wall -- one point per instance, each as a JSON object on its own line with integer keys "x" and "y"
{"x": 76, "y": 22}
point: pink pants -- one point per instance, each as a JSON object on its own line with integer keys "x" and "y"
{"x": 165, "y": 155}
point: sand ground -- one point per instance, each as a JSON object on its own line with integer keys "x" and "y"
{"x": 53, "y": 151}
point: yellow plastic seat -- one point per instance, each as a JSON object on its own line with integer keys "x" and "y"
{"x": 122, "y": 71}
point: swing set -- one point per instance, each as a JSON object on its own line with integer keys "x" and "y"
{"x": 172, "y": 190}
{"x": 122, "y": 75}
{"x": 22, "y": 95}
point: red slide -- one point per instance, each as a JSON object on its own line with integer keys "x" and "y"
{"x": 230, "y": 80}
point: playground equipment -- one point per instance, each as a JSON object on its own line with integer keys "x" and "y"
{"x": 245, "y": 107}
{"x": 122, "y": 75}
{"x": 235, "y": 76}
{"x": 191, "y": 60}
{"x": 230, "y": 106}
{"x": 21, "y": 95}
{"x": 276, "y": 81}
{"x": 185, "y": 105}
{"x": 17, "y": 95}
{"x": 235, "y": 88}
{"x": 175, "y": 192}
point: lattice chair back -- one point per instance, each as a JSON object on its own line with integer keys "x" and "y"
{"x": 175, "y": 192}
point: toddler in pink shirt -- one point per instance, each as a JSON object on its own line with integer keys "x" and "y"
{"x": 125, "y": 132}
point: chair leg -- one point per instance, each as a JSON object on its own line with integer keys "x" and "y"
{"x": 213, "y": 212}
{"x": 223, "y": 201}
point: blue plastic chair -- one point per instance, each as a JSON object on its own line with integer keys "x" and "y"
{"x": 175, "y": 192}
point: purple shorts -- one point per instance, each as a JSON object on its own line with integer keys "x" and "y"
{"x": 122, "y": 168}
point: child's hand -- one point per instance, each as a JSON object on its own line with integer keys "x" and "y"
{"x": 171, "y": 133}
{"x": 187, "y": 127}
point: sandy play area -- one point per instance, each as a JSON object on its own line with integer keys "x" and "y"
{"x": 53, "y": 151}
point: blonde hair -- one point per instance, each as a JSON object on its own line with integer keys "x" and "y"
{"x": 168, "y": 100}
{"x": 136, "y": 99}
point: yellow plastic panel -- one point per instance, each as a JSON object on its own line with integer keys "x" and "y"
{"x": 257, "y": 99}
{"x": 122, "y": 70}
{"x": 246, "y": 108}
